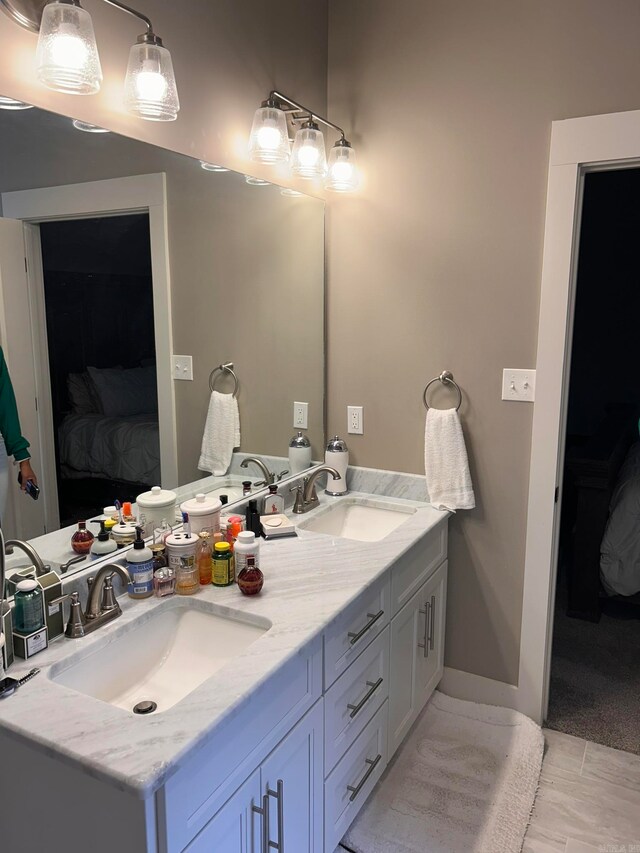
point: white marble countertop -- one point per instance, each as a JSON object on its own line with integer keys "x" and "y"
{"x": 308, "y": 581}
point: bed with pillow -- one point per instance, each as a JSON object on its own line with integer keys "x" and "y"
{"x": 111, "y": 431}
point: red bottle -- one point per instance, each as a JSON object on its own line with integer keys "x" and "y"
{"x": 250, "y": 579}
{"x": 82, "y": 539}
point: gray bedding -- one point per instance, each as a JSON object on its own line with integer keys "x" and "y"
{"x": 620, "y": 548}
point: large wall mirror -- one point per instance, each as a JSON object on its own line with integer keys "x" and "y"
{"x": 136, "y": 254}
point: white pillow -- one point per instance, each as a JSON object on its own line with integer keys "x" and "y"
{"x": 125, "y": 392}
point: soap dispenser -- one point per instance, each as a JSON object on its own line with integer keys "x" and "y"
{"x": 299, "y": 453}
{"x": 337, "y": 456}
{"x": 104, "y": 544}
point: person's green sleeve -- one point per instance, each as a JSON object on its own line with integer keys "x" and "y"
{"x": 16, "y": 444}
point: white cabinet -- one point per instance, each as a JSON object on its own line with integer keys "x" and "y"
{"x": 417, "y": 654}
{"x": 280, "y": 806}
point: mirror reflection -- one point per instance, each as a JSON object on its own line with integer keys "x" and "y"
{"x": 170, "y": 321}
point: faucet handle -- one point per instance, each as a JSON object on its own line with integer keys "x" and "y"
{"x": 281, "y": 474}
{"x": 109, "y": 600}
{"x": 76, "y": 623}
{"x": 298, "y": 506}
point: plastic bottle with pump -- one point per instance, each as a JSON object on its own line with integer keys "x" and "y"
{"x": 103, "y": 544}
{"x": 140, "y": 565}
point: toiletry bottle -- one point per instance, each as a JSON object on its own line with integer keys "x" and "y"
{"x": 82, "y": 539}
{"x": 28, "y": 614}
{"x": 246, "y": 488}
{"x": 223, "y": 566}
{"x": 140, "y": 565}
{"x": 273, "y": 502}
{"x": 127, "y": 513}
{"x": 246, "y": 546}
{"x": 204, "y": 558}
{"x": 250, "y": 579}
{"x": 253, "y": 517}
{"x": 299, "y": 453}
{"x": 104, "y": 544}
{"x": 337, "y": 456}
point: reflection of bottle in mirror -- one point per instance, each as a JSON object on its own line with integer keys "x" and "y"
{"x": 273, "y": 502}
{"x": 299, "y": 453}
{"x": 337, "y": 456}
{"x": 82, "y": 539}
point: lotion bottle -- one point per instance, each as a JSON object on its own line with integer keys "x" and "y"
{"x": 104, "y": 544}
{"x": 140, "y": 565}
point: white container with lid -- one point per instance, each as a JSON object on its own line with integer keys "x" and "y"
{"x": 123, "y": 534}
{"x": 299, "y": 453}
{"x": 154, "y": 507}
{"x": 337, "y": 456}
{"x": 203, "y": 512}
{"x": 246, "y": 545}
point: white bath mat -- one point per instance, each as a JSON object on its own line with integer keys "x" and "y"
{"x": 464, "y": 781}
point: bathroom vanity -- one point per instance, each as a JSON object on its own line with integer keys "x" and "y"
{"x": 277, "y": 749}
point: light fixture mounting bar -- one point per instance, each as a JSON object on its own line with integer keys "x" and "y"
{"x": 300, "y": 108}
{"x": 146, "y": 21}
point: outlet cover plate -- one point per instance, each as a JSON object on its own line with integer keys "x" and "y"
{"x": 519, "y": 385}
{"x": 355, "y": 424}
{"x": 301, "y": 415}
{"x": 182, "y": 366}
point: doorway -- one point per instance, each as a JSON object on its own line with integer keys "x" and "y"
{"x": 595, "y": 660}
{"x": 98, "y": 298}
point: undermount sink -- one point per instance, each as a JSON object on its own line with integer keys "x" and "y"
{"x": 230, "y": 488}
{"x": 161, "y": 659}
{"x": 358, "y": 518}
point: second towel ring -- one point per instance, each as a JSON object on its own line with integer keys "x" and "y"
{"x": 446, "y": 377}
{"x": 224, "y": 368}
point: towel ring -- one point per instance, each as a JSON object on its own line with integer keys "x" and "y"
{"x": 224, "y": 368}
{"x": 446, "y": 377}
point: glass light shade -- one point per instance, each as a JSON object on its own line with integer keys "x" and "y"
{"x": 342, "y": 172}
{"x": 85, "y": 127}
{"x": 212, "y": 167}
{"x": 150, "y": 85}
{"x": 67, "y": 57}
{"x": 269, "y": 140}
{"x": 11, "y": 104}
{"x": 308, "y": 159}
{"x": 256, "y": 182}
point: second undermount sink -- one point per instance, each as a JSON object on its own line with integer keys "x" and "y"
{"x": 363, "y": 519}
{"x": 162, "y": 658}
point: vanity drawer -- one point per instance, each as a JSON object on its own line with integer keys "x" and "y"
{"x": 354, "y": 698}
{"x": 413, "y": 568}
{"x": 347, "y": 788}
{"x": 353, "y": 630}
{"x": 205, "y": 781}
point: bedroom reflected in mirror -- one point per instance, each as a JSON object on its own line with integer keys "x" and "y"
{"x": 129, "y": 275}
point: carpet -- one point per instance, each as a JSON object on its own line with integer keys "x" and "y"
{"x": 464, "y": 780}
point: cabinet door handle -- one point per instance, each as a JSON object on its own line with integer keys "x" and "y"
{"x": 374, "y": 686}
{"x": 264, "y": 814}
{"x": 373, "y": 618}
{"x": 432, "y": 626}
{"x": 279, "y": 795}
{"x": 425, "y": 644}
{"x": 372, "y": 766}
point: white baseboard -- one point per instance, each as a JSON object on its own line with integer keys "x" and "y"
{"x": 477, "y": 688}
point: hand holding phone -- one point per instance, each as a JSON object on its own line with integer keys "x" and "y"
{"x": 30, "y": 488}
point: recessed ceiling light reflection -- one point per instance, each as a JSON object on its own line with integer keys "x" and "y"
{"x": 290, "y": 193}
{"x": 256, "y": 182}
{"x": 212, "y": 167}
{"x": 85, "y": 127}
{"x": 11, "y": 104}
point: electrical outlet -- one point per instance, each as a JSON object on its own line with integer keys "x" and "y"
{"x": 354, "y": 420}
{"x": 182, "y": 366}
{"x": 519, "y": 385}
{"x": 301, "y": 415}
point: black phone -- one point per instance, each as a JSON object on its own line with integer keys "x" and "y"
{"x": 31, "y": 489}
{"x": 8, "y": 686}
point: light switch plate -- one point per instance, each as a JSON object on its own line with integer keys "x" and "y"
{"x": 519, "y": 385}
{"x": 182, "y": 366}
{"x": 301, "y": 415}
{"x": 355, "y": 423}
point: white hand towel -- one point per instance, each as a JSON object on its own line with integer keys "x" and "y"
{"x": 445, "y": 461}
{"x": 221, "y": 434}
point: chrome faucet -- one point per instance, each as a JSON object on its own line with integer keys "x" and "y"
{"x": 31, "y": 553}
{"x": 269, "y": 477}
{"x": 102, "y": 604}
{"x": 306, "y": 497}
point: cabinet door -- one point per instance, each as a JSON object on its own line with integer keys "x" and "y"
{"x": 292, "y": 777}
{"x": 236, "y": 828}
{"x": 417, "y": 653}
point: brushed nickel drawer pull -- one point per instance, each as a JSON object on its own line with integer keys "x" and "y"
{"x": 373, "y": 618}
{"x": 374, "y": 686}
{"x": 425, "y": 645}
{"x": 264, "y": 813}
{"x": 279, "y": 795}
{"x": 432, "y": 626}
{"x": 372, "y": 766}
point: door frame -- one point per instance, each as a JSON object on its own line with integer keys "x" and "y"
{"x": 578, "y": 146}
{"x": 139, "y": 194}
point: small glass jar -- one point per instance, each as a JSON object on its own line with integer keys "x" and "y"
{"x": 159, "y": 551}
{"x": 29, "y": 607}
{"x": 164, "y": 582}
{"x": 82, "y": 539}
{"x": 187, "y": 580}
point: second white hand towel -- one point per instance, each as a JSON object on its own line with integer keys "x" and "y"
{"x": 221, "y": 434}
{"x": 445, "y": 461}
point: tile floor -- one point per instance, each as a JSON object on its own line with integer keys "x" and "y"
{"x": 588, "y": 800}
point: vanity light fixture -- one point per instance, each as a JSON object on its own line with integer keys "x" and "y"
{"x": 11, "y": 104}
{"x": 269, "y": 143}
{"x": 67, "y": 56}
{"x": 85, "y": 127}
{"x": 212, "y": 167}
